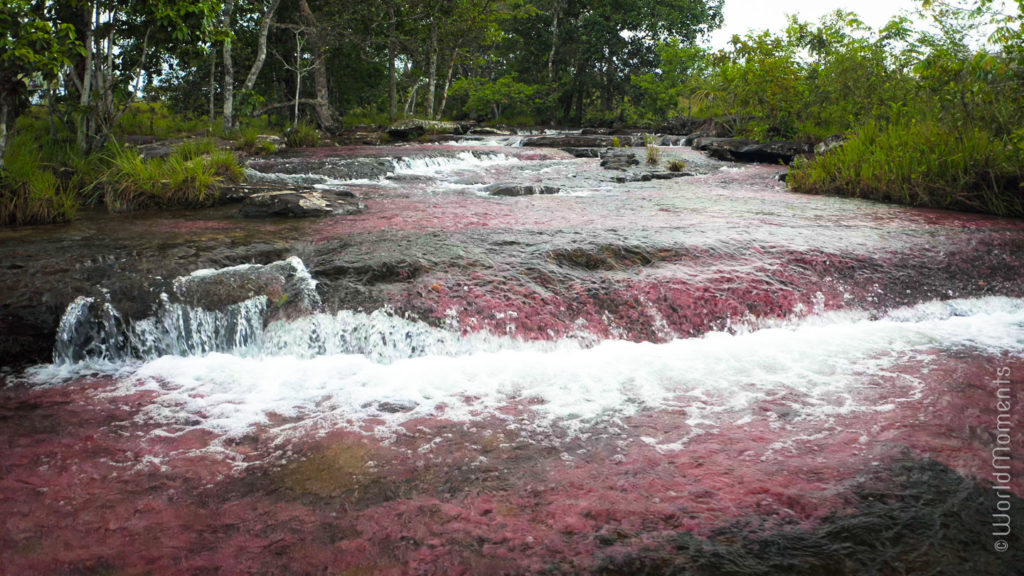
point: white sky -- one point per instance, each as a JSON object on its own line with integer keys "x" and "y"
{"x": 743, "y": 15}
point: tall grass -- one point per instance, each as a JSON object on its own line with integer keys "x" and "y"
{"x": 921, "y": 163}
{"x": 189, "y": 178}
{"x": 30, "y": 192}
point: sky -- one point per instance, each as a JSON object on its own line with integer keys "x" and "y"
{"x": 743, "y": 15}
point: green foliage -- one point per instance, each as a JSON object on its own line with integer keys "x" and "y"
{"x": 921, "y": 163}
{"x": 188, "y": 178}
{"x": 497, "y": 99}
{"x": 30, "y": 193}
{"x": 156, "y": 119}
{"x": 302, "y": 136}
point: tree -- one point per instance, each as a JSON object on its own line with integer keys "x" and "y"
{"x": 31, "y": 49}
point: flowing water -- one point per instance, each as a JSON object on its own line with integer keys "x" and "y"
{"x": 698, "y": 375}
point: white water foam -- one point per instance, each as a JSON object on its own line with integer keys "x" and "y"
{"x": 435, "y": 166}
{"x": 820, "y": 369}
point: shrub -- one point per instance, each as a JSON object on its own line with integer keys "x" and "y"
{"x": 302, "y": 136}
{"x": 920, "y": 163}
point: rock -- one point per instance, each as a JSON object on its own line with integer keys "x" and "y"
{"x": 618, "y": 159}
{"x": 829, "y": 144}
{"x": 782, "y": 177}
{"x": 743, "y": 150}
{"x": 648, "y": 176}
{"x": 414, "y": 128}
{"x": 583, "y": 152}
{"x": 313, "y": 171}
{"x": 576, "y": 141}
{"x": 300, "y": 204}
{"x": 505, "y": 189}
{"x": 487, "y": 131}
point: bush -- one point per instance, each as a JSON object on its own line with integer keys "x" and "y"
{"x": 921, "y": 163}
{"x": 302, "y": 136}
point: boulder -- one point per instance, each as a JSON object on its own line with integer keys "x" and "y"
{"x": 507, "y": 189}
{"x": 743, "y": 150}
{"x": 618, "y": 159}
{"x": 300, "y": 204}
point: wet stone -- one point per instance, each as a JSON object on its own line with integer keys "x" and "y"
{"x": 300, "y": 204}
{"x": 504, "y": 189}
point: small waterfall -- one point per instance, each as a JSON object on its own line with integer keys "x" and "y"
{"x": 208, "y": 311}
{"x": 432, "y": 166}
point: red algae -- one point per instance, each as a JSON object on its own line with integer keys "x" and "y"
{"x": 105, "y": 493}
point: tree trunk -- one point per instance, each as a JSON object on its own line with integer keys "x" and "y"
{"x": 261, "y": 47}
{"x": 3, "y": 130}
{"x": 298, "y": 76}
{"x": 82, "y": 124}
{"x": 392, "y": 49}
{"x": 213, "y": 87}
{"x": 447, "y": 83}
{"x": 432, "y": 68}
{"x": 324, "y": 113}
{"x": 554, "y": 43}
{"x": 229, "y": 72}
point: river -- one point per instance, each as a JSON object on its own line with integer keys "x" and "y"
{"x": 698, "y": 375}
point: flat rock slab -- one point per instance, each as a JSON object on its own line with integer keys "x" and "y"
{"x": 504, "y": 189}
{"x": 300, "y": 204}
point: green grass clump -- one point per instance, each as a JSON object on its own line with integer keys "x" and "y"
{"x": 302, "y": 136}
{"x": 249, "y": 141}
{"x": 676, "y": 166}
{"x": 30, "y": 192}
{"x": 653, "y": 154}
{"x": 921, "y": 163}
{"x": 190, "y": 177}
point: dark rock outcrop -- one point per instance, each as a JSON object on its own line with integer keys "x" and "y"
{"x": 300, "y": 204}
{"x": 743, "y": 150}
{"x": 506, "y": 189}
{"x": 576, "y": 141}
{"x": 618, "y": 159}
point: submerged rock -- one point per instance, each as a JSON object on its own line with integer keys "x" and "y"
{"x": 301, "y": 204}
{"x": 506, "y": 189}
